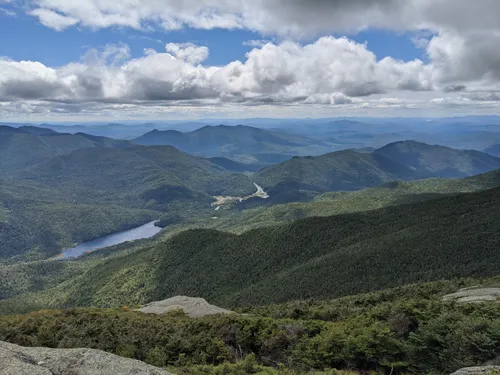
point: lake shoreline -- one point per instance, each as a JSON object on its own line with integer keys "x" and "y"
{"x": 143, "y": 231}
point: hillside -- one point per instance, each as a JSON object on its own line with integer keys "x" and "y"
{"x": 37, "y": 222}
{"x": 493, "y": 150}
{"x": 234, "y": 166}
{"x": 141, "y": 176}
{"x": 100, "y": 190}
{"x": 334, "y": 203}
{"x": 439, "y": 161}
{"x": 303, "y": 177}
{"x": 336, "y": 171}
{"x": 247, "y": 144}
{"x": 24, "y": 147}
{"x": 394, "y": 193}
{"x": 310, "y": 258}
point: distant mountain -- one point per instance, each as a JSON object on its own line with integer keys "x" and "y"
{"x": 35, "y": 130}
{"x": 302, "y": 177}
{"x": 493, "y": 150}
{"x": 112, "y": 130}
{"x": 4, "y": 129}
{"x": 439, "y": 161}
{"x": 234, "y": 140}
{"x": 27, "y": 146}
{"x": 340, "y": 170}
{"x": 145, "y": 177}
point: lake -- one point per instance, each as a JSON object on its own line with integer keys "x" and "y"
{"x": 144, "y": 231}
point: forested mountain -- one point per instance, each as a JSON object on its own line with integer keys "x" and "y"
{"x": 315, "y": 257}
{"x": 27, "y": 146}
{"x": 302, "y": 177}
{"x": 139, "y": 175}
{"x": 98, "y": 188}
{"x": 246, "y": 143}
{"x": 398, "y": 233}
{"x": 439, "y": 161}
{"x": 341, "y": 170}
{"x": 334, "y": 203}
{"x": 37, "y": 222}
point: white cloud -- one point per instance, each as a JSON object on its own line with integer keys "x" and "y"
{"x": 329, "y": 70}
{"x": 53, "y": 19}
{"x": 188, "y": 52}
{"x": 284, "y": 17}
{"x": 460, "y": 38}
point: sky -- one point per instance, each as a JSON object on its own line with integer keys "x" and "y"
{"x": 98, "y": 60}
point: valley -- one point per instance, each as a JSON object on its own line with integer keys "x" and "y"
{"x": 350, "y": 246}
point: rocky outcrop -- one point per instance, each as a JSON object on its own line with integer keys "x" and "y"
{"x": 483, "y": 370}
{"x": 194, "y": 307}
{"x": 18, "y": 360}
{"x": 474, "y": 295}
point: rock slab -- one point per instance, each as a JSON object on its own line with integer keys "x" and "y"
{"x": 194, "y": 307}
{"x": 18, "y": 360}
{"x": 474, "y": 295}
{"x": 483, "y": 370}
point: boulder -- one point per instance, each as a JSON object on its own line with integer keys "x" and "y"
{"x": 194, "y": 307}
{"x": 18, "y": 360}
{"x": 474, "y": 295}
{"x": 483, "y": 370}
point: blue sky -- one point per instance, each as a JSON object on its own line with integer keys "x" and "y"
{"x": 189, "y": 59}
{"x": 30, "y": 40}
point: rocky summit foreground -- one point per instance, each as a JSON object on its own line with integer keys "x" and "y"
{"x": 17, "y": 360}
{"x": 194, "y": 307}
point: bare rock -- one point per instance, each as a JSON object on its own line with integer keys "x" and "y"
{"x": 18, "y": 360}
{"x": 483, "y": 370}
{"x": 194, "y": 307}
{"x": 474, "y": 295}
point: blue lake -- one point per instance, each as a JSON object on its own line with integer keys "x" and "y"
{"x": 144, "y": 231}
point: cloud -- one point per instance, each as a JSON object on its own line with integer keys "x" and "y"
{"x": 330, "y": 70}
{"x": 295, "y": 17}
{"x": 283, "y": 17}
{"x": 485, "y": 96}
{"x": 188, "y": 52}
{"x": 7, "y": 12}
{"x": 53, "y": 19}
{"x": 256, "y": 42}
{"x": 459, "y": 37}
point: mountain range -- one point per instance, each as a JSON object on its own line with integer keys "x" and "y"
{"x": 77, "y": 181}
{"x": 389, "y": 232}
{"x": 243, "y": 143}
{"x": 52, "y": 175}
{"x": 302, "y": 177}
